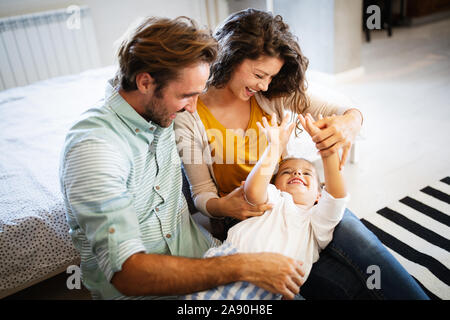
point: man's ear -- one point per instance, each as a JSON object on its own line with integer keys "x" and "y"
{"x": 145, "y": 83}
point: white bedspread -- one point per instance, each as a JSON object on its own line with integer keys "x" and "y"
{"x": 34, "y": 119}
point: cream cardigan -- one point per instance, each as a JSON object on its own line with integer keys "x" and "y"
{"x": 194, "y": 150}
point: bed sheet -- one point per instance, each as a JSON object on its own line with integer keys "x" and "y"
{"x": 34, "y": 119}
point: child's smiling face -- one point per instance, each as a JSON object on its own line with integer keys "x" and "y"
{"x": 299, "y": 178}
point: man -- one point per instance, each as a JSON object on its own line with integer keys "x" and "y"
{"x": 121, "y": 178}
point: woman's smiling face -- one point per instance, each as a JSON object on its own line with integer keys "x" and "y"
{"x": 252, "y": 76}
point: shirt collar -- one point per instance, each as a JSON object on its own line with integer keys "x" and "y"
{"x": 126, "y": 112}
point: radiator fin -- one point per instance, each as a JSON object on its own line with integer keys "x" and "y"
{"x": 44, "y": 45}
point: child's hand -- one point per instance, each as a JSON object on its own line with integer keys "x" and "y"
{"x": 277, "y": 135}
{"x": 308, "y": 124}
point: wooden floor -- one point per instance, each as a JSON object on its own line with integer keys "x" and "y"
{"x": 405, "y": 97}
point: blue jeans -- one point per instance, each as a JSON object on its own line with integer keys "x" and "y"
{"x": 342, "y": 269}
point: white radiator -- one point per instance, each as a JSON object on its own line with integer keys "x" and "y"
{"x": 47, "y": 44}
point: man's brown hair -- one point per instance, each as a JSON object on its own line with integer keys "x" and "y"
{"x": 161, "y": 47}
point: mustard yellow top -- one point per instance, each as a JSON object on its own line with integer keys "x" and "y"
{"x": 234, "y": 152}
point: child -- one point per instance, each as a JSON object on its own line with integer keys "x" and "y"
{"x": 303, "y": 218}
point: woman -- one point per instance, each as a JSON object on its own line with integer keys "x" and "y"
{"x": 260, "y": 70}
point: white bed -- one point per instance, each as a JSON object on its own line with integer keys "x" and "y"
{"x": 34, "y": 239}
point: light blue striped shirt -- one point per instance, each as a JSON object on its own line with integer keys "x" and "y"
{"x": 122, "y": 186}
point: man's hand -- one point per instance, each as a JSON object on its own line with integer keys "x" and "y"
{"x": 275, "y": 273}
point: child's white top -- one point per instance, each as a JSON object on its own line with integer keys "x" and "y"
{"x": 288, "y": 229}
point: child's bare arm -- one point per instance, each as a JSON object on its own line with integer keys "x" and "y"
{"x": 255, "y": 187}
{"x": 334, "y": 180}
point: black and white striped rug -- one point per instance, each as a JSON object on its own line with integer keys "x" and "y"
{"x": 416, "y": 230}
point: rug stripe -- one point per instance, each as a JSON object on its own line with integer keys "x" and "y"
{"x": 416, "y": 231}
{"x": 441, "y": 186}
{"x": 410, "y": 239}
{"x": 431, "y": 202}
{"x": 421, "y": 219}
{"x": 411, "y": 254}
{"x": 427, "y": 292}
{"x": 437, "y": 194}
{"x": 426, "y": 278}
{"x": 425, "y": 209}
{"x": 415, "y": 228}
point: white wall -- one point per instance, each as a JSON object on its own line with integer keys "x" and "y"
{"x": 329, "y": 31}
{"x": 313, "y": 23}
{"x": 348, "y": 37}
{"x": 112, "y": 17}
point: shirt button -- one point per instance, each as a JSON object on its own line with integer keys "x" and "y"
{"x": 157, "y": 187}
{"x": 168, "y": 235}
{"x": 111, "y": 230}
{"x": 156, "y": 209}
{"x": 152, "y": 128}
{"x": 136, "y": 130}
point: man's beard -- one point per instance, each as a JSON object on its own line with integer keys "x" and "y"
{"x": 157, "y": 113}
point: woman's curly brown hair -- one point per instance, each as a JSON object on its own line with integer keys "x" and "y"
{"x": 251, "y": 33}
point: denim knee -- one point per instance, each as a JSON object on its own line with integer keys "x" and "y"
{"x": 357, "y": 246}
{"x": 352, "y": 235}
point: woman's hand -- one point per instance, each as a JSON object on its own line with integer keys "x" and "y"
{"x": 234, "y": 205}
{"x": 277, "y": 135}
{"x": 337, "y": 132}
